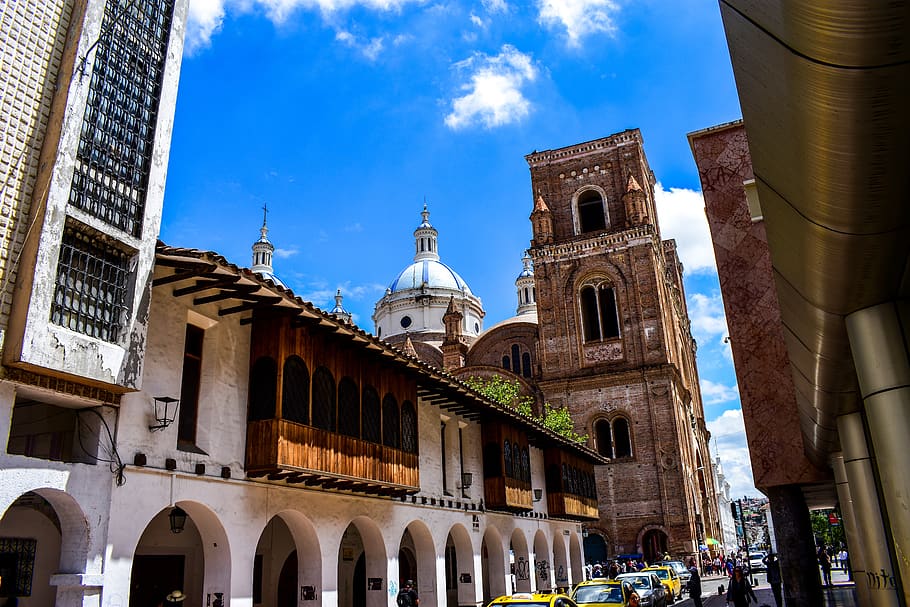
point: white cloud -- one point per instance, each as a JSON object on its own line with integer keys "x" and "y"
{"x": 580, "y": 18}
{"x": 714, "y": 393}
{"x": 728, "y": 437}
{"x": 681, "y": 214}
{"x": 706, "y": 313}
{"x": 478, "y": 21}
{"x": 494, "y": 90}
{"x": 285, "y": 253}
{"x": 204, "y": 21}
{"x": 206, "y": 17}
{"x": 370, "y": 49}
{"x": 495, "y": 6}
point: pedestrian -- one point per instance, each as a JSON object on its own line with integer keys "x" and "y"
{"x": 772, "y": 564}
{"x": 824, "y": 561}
{"x": 740, "y": 591}
{"x": 408, "y": 596}
{"x": 634, "y": 600}
{"x": 694, "y": 583}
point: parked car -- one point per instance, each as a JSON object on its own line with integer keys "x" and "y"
{"x": 648, "y": 586}
{"x": 681, "y": 570}
{"x": 756, "y": 561}
{"x": 602, "y": 593}
{"x": 537, "y": 599}
{"x": 669, "y": 578}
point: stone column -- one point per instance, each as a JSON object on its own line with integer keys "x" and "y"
{"x": 867, "y": 510}
{"x": 796, "y": 546}
{"x": 878, "y": 339}
{"x": 855, "y": 545}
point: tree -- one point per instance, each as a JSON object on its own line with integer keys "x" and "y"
{"x": 508, "y": 393}
{"x": 824, "y": 531}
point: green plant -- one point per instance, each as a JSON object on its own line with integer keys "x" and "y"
{"x": 508, "y": 393}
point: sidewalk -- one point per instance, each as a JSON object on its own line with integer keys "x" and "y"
{"x": 839, "y": 595}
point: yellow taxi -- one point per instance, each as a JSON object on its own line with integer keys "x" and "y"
{"x": 670, "y": 579}
{"x": 537, "y": 599}
{"x": 602, "y": 593}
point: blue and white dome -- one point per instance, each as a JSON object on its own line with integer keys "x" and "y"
{"x": 417, "y": 299}
{"x": 432, "y": 273}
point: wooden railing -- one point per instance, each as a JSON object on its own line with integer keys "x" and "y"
{"x": 278, "y": 444}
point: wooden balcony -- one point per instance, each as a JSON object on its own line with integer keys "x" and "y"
{"x": 567, "y": 505}
{"x": 503, "y": 493}
{"x": 282, "y": 450}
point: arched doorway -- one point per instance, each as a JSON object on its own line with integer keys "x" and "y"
{"x": 595, "y": 548}
{"x": 287, "y": 565}
{"x": 33, "y": 535}
{"x": 362, "y": 566}
{"x": 576, "y": 559}
{"x": 653, "y": 545}
{"x": 543, "y": 563}
{"x": 561, "y": 573}
{"x": 184, "y": 547}
{"x": 417, "y": 561}
{"x": 520, "y": 561}
{"x": 493, "y": 565}
{"x": 459, "y": 564}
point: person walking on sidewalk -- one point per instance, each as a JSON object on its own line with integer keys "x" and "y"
{"x": 772, "y": 563}
{"x": 740, "y": 591}
{"x": 694, "y": 583}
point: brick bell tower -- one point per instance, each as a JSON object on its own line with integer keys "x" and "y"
{"x": 615, "y": 346}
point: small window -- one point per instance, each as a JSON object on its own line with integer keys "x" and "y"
{"x": 408, "y": 427}
{"x": 516, "y": 359}
{"x": 295, "y": 391}
{"x": 263, "y": 389}
{"x": 405, "y": 322}
{"x": 348, "y": 408}
{"x": 391, "y": 422}
{"x": 324, "y": 405}
{"x": 188, "y": 412}
{"x": 622, "y": 437}
{"x": 526, "y": 365}
{"x": 506, "y": 363}
{"x": 372, "y": 415}
{"x": 507, "y": 458}
{"x": 591, "y": 212}
{"x": 603, "y": 437}
{"x": 599, "y": 313}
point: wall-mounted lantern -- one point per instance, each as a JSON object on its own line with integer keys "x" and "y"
{"x": 165, "y": 412}
{"x": 177, "y": 519}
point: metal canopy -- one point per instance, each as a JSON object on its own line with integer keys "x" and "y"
{"x": 825, "y": 95}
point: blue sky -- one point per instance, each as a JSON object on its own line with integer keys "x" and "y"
{"x": 344, "y": 115}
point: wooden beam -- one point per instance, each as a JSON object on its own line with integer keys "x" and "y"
{"x": 234, "y": 292}
{"x": 262, "y": 303}
{"x": 204, "y": 285}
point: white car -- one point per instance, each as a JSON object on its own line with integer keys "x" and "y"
{"x": 756, "y": 560}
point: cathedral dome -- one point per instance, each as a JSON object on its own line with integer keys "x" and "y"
{"x": 430, "y": 273}
{"x": 416, "y": 301}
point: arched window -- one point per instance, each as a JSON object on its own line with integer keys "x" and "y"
{"x": 516, "y": 359}
{"x": 506, "y": 363}
{"x": 526, "y": 465}
{"x": 516, "y": 461}
{"x": 603, "y": 438}
{"x": 507, "y": 458}
{"x": 599, "y": 315}
{"x": 295, "y": 391}
{"x": 526, "y": 364}
{"x": 263, "y": 389}
{"x": 565, "y": 478}
{"x": 324, "y": 399}
{"x": 622, "y": 437}
{"x": 372, "y": 415}
{"x": 408, "y": 427}
{"x": 391, "y": 422}
{"x": 348, "y": 407}
{"x": 591, "y": 212}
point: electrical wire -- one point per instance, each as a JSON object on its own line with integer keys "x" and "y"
{"x": 114, "y": 461}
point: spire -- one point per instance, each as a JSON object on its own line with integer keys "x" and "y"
{"x": 425, "y": 238}
{"x": 541, "y": 222}
{"x": 409, "y": 347}
{"x": 338, "y": 311}
{"x": 262, "y": 248}
{"x": 524, "y": 284}
{"x": 633, "y": 186}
